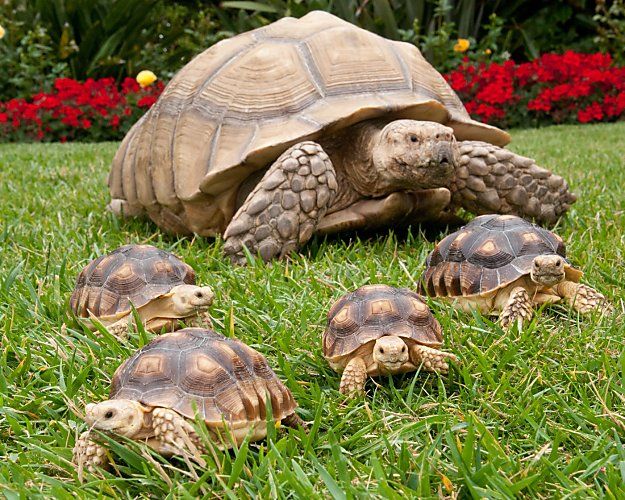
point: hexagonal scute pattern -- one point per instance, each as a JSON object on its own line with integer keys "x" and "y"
{"x": 198, "y": 370}
{"x": 373, "y": 311}
{"x": 133, "y": 274}
{"x": 488, "y": 253}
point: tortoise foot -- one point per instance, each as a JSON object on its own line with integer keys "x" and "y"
{"x": 283, "y": 210}
{"x": 176, "y": 435}
{"x": 584, "y": 298}
{"x": 431, "y": 359}
{"x": 89, "y": 455}
{"x": 518, "y": 309}
{"x": 354, "y": 378}
{"x": 490, "y": 179}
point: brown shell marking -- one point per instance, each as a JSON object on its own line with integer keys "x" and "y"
{"x": 198, "y": 369}
{"x": 133, "y": 274}
{"x": 488, "y": 253}
{"x": 373, "y": 311}
{"x": 237, "y": 106}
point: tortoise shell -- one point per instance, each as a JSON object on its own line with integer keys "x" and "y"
{"x": 372, "y": 311}
{"x": 487, "y": 254}
{"x": 198, "y": 369}
{"x": 133, "y": 274}
{"x": 237, "y": 106}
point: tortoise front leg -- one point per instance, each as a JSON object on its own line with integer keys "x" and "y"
{"x": 354, "y": 377}
{"x": 200, "y": 320}
{"x": 517, "y": 309}
{"x": 400, "y": 208}
{"x": 283, "y": 210}
{"x": 583, "y": 298}
{"x": 121, "y": 328}
{"x": 490, "y": 179}
{"x": 176, "y": 435}
{"x": 431, "y": 359}
{"x": 88, "y": 454}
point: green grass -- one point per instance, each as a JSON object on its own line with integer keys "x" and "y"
{"x": 537, "y": 413}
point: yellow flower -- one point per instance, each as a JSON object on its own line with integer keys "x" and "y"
{"x": 462, "y": 45}
{"x": 146, "y": 78}
{"x": 2, "y": 32}
{"x": 487, "y": 52}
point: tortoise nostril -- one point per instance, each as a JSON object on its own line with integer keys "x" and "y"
{"x": 413, "y": 138}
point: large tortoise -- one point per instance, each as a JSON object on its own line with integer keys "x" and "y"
{"x": 313, "y": 125}
{"x": 156, "y": 394}
{"x": 156, "y": 283}
{"x": 382, "y": 330}
{"x": 505, "y": 264}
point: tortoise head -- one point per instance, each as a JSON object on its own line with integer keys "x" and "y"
{"x": 188, "y": 299}
{"x": 411, "y": 154}
{"x": 121, "y": 416}
{"x": 390, "y": 353}
{"x": 547, "y": 270}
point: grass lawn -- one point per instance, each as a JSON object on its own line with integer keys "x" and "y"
{"x": 537, "y": 413}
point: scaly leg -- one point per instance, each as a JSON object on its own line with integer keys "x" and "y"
{"x": 283, "y": 210}
{"x": 490, "y": 179}
{"x": 583, "y": 298}
{"x": 354, "y": 377}
{"x": 400, "y": 208}
{"x": 175, "y": 433}
{"x": 517, "y": 309}
{"x": 89, "y": 454}
{"x": 432, "y": 360}
{"x": 201, "y": 320}
{"x": 121, "y": 328}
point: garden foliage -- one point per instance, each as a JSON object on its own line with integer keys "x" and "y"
{"x": 554, "y": 88}
{"x": 566, "y": 88}
{"x": 96, "y": 110}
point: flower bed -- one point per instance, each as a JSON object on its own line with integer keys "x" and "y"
{"x": 94, "y": 110}
{"x": 554, "y": 88}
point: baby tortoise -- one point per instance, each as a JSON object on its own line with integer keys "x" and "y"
{"x": 502, "y": 263}
{"x": 159, "y": 285}
{"x": 156, "y": 394}
{"x": 382, "y": 330}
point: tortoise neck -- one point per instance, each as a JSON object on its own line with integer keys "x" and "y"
{"x": 351, "y": 152}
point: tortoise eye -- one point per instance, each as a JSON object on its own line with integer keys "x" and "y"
{"x": 198, "y": 295}
{"x": 558, "y": 262}
{"x": 413, "y": 138}
{"x": 108, "y": 414}
{"x": 403, "y": 349}
{"x": 381, "y": 350}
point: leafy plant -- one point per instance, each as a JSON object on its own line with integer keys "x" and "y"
{"x": 610, "y": 18}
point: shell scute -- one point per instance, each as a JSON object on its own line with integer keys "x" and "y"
{"x": 132, "y": 274}
{"x": 237, "y": 106}
{"x": 490, "y": 252}
{"x": 373, "y": 311}
{"x": 198, "y": 370}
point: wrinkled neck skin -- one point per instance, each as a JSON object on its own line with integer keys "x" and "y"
{"x": 351, "y": 153}
{"x": 372, "y": 162}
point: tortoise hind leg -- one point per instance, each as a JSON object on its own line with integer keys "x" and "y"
{"x": 490, "y": 179}
{"x": 283, "y": 210}
{"x": 583, "y": 298}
